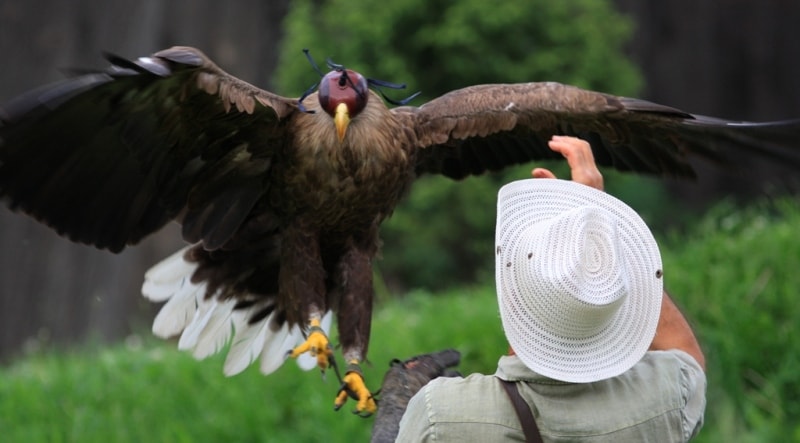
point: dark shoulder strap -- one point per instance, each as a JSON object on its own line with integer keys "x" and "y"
{"x": 529, "y": 428}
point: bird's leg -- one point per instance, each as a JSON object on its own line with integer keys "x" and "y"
{"x": 353, "y": 386}
{"x": 301, "y": 280}
{"x": 317, "y": 344}
{"x": 353, "y": 288}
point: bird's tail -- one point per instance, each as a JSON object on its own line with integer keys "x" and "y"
{"x": 206, "y": 325}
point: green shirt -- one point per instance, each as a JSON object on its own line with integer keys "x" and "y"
{"x": 660, "y": 399}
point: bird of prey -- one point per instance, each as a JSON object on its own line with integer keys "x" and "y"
{"x": 280, "y": 199}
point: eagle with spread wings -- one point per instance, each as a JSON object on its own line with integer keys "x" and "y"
{"x": 281, "y": 199}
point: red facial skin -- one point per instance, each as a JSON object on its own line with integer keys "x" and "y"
{"x": 343, "y": 86}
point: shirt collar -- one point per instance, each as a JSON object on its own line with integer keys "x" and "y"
{"x": 511, "y": 368}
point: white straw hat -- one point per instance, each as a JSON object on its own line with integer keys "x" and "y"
{"x": 578, "y": 279}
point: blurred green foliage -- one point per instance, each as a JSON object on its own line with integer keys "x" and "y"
{"x": 439, "y": 45}
{"x": 734, "y": 276}
{"x": 443, "y": 233}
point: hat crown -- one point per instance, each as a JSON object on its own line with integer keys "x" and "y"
{"x": 573, "y": 261}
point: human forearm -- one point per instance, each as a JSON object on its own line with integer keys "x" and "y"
{"x": 674, "y": 332}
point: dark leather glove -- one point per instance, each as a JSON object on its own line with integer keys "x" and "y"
{"x": 401, "y": 382}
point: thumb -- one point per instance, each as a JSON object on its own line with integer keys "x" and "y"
{"x": 542, "y": 173}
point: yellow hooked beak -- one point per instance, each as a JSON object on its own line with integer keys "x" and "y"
{"x": 341, "y": 120}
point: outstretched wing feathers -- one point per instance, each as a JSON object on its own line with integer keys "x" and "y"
{"x": 121, "y": 152}
{"x": 489, "y": 127}
{"x": 109, "y": 157}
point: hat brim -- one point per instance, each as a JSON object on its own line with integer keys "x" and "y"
{"x": 626, "y": 338}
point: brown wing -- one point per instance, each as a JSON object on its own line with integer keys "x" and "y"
{"x": 106, "y": 158}
{"x": 489, "y": 127}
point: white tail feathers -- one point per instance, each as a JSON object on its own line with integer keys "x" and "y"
{"x": 207, "y": 325}
{"x": 163, "y": 280}
{"x": 248, "y": 341}
{"x": 210, "y": 331}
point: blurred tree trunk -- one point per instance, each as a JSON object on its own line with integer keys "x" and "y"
{"x": 50, "y": 289}
{"x": 736, "y": 59}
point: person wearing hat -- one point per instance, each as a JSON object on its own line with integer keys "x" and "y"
{"x": 599, "y": 352}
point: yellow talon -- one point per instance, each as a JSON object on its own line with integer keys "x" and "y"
{"x": 353, "y": 386}
{"x": 317, "y": 344}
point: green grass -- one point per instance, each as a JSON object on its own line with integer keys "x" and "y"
{"x": 151, "y": 392}
{"x": 736, "y": 276}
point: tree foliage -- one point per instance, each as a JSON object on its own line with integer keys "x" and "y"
{"x": 443, "y": 233}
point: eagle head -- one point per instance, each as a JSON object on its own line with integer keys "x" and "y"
{"x": 343, "y": 94}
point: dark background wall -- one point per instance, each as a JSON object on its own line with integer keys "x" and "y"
{"x": 737, "y": 59}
